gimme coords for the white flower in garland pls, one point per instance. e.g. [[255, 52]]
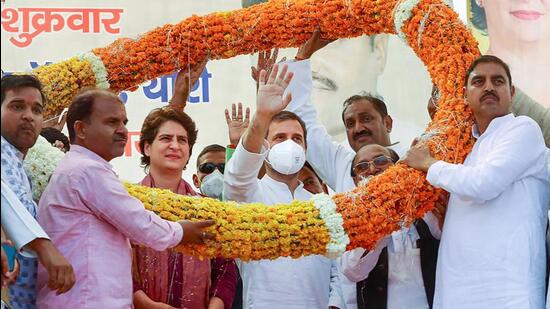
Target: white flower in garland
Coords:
[[40, 163], [402, 13], [334, 223], [98, 68]]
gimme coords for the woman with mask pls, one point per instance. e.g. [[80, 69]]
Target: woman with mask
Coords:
[[171, 278]]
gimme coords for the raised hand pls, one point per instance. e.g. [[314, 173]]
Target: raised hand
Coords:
[[266, 61], [270, 99], [236, 124], [312, 45], [186, 78]]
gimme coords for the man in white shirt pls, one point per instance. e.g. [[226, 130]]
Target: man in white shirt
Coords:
[[307, 282], [367, 122], [400, 271], [492, 252]]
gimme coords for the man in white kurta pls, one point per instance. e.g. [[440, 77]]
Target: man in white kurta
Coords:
[[307, 282], [492, 252]]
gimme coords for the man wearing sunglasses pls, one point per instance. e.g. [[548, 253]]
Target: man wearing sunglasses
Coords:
[[401, 264], [372, 160], [210, 168]]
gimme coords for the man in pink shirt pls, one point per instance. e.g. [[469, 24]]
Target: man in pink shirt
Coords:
[[91, 218]]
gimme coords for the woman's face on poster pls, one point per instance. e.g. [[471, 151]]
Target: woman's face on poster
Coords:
[[524, 20]]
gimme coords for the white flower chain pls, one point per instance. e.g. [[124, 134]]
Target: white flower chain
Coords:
[[98, 68], [402, 13], [335, 225], [40, 163]]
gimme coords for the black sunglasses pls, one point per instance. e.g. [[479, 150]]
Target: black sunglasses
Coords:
[[362, 167], [209, 167]]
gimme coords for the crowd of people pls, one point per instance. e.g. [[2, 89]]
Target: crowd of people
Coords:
[[88, 244]]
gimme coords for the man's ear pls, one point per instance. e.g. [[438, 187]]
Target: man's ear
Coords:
[[325, 188], [388, 122], [380, 52], [80, 129], [196, 181], [466, 95]]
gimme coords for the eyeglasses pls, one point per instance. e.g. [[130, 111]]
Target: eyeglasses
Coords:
[[209, 167], [363, 167]]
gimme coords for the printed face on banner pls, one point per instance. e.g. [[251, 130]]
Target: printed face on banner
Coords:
[[518, 32]]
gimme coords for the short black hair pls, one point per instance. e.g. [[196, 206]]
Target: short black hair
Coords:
[[488, 59], [378, 104], [82, 106], [15, 81], [210, 148], [286, 115], [52, 135]]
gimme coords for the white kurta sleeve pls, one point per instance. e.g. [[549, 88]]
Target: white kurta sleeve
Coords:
[[336, 296], [357, 267], [322, 152], [511, 159], [240, 179], [18, 223]]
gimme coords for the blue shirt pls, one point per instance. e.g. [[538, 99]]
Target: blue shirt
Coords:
[[23, 291]]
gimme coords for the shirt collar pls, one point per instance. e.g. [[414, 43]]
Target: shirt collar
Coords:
[[18, 153], [281, 185], [493, 125], [90, 155]]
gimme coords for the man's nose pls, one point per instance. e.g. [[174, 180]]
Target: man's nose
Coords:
[[358, 127], [489, 86], [27, 114]]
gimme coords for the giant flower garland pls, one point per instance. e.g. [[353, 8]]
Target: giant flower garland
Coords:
[[354, 219]]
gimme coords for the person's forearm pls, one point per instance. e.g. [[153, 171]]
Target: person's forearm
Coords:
[[38, 245], [254, 137], [179, 99]]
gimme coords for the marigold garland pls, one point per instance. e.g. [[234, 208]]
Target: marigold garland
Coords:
[[368, 213], [250, 231]]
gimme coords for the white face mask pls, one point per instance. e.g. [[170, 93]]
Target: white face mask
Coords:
[[287, 157], [212, 185]]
